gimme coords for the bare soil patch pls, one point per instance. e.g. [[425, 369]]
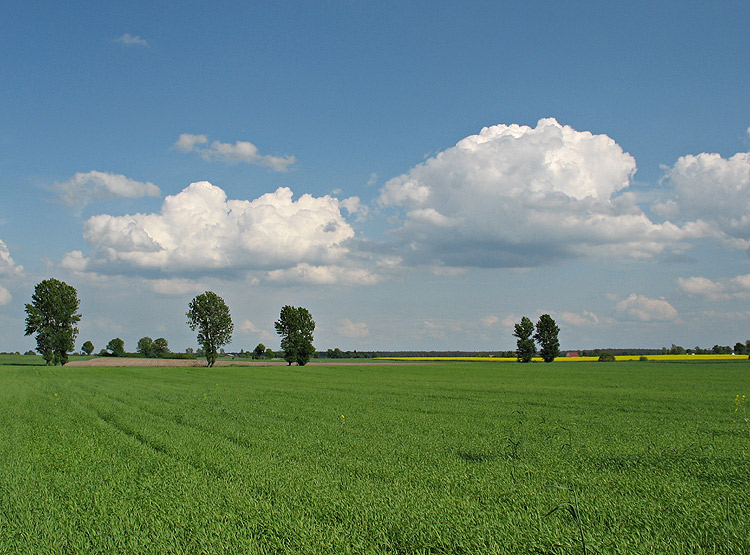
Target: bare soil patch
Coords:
[[125, 361]]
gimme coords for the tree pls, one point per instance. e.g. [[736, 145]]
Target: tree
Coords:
[[525, 345], [296, 326], [87, 348], [145, 347], [116, 346], [52, 316], [161, 347], [209, 314], [269, 353], [259, 351], [546, 336]]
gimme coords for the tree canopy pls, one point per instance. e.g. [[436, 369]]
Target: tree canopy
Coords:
[[259, 351], [52, 315], [161, 347], [87, 348], [209, 314], [116, 346], [546, 336], [525, 347], [145, 347], [150, 348], [296, 326]]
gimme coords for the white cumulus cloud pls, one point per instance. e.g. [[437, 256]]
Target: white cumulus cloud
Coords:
[[702, 287], [5, 296], [199, 230], [724, 289], [352, 329], [517, 196], [646, 309], [82, 188], [240, 151], [579, 319], [323, 275], [75, 261], [8, 269], [7, 265], [489, 321], [248, 327], [175, 286], [187, 142], [710, 189]]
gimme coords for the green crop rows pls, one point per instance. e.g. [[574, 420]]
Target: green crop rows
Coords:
[[630, 458]]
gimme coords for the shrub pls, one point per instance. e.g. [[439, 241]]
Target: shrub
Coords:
[[643, 358], [181, 356], [606, 357]]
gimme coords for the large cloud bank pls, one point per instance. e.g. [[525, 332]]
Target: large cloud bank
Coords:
[[516, 196], [199, 229]]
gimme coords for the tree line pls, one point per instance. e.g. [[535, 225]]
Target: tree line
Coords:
[[52, 316]]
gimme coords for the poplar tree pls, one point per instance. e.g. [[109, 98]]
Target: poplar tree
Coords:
[[525, 347], [546, 336]]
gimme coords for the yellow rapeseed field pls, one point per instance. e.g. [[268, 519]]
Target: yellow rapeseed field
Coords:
[[570, 359]]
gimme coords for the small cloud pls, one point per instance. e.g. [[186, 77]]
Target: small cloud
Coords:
[[646, 309], [323, 275], [353, 330], [131, 40], [510, 320], [83, 188], [373, 179], [7, 265], [175, 286], [354, 206], [186, 142], [582, 319], [432, 216], [721, 290], [702, 287], [241, 151], [441, 270], [248, 327], [5, 296], [489, 321], [75, 261]]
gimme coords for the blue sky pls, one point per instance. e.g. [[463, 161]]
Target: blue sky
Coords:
[[419, 175]]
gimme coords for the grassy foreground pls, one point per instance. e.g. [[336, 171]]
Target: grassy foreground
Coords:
[[638, 457]]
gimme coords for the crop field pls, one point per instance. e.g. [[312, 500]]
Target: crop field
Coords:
[[585, 457], [661, 358]]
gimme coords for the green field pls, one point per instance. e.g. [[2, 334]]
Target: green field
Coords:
[[443, 458]]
